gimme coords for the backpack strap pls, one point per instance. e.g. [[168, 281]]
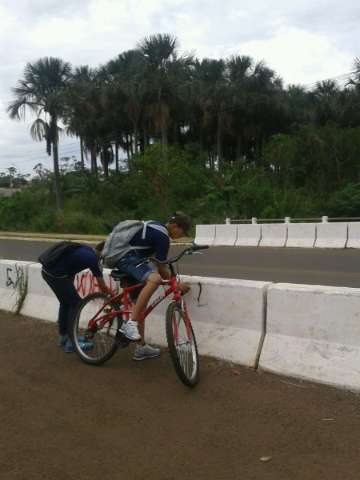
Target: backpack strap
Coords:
[[155, 226]]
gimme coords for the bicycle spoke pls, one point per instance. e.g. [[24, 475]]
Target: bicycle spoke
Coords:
[[183, 345], [98, 342]]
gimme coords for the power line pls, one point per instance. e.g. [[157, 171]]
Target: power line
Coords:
[[337, 78]]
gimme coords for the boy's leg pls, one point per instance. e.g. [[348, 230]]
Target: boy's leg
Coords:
[[143, 274], [68, 297], [152, 283]]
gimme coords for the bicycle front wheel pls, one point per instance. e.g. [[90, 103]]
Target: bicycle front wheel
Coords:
[[182, 345], [96, 343]]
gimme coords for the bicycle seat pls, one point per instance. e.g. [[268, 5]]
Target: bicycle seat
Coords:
[[118, 275]]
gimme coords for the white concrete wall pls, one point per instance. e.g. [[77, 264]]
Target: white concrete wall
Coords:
[[353, 235], [331, 235], [301, 235], [205, 234], [313, 332], [225, 235], [13, 280], [228, 320], [248, 235], [273, 234], [40, 301]]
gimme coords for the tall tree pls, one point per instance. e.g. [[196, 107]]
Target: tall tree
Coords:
[[40, 92], [164, 70]]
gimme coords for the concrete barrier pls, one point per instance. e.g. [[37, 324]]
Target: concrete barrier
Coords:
[[301, 235], [273, 234], [228, 319], [313, 333], [85, 282], [248, 235], [205, 234], [40, 301], [331, 235], [225, 235], [353, 235], [13, 284]]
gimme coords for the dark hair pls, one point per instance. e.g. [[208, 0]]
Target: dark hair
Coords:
[[181, 220], [100, 247]]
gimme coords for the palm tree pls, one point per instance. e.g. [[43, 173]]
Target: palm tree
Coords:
[[240, 69], [128, 85], [326, 97], [211, 93], [163, 67], [40, 92], [80, 112]]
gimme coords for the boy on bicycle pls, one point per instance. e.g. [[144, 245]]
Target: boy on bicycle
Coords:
[[152, 240]]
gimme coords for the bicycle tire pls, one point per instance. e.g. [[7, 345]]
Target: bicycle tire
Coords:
[[105, 341], [183, 352]]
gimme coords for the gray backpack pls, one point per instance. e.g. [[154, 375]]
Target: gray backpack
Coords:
[[117, 244]]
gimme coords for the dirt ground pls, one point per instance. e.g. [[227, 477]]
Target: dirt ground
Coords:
[[61, 419]]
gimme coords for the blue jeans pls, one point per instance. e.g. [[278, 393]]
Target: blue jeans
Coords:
[[64, 289], [128, 265]]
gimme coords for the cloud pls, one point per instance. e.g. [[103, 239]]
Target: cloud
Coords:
[[301, 40], [300, 56]]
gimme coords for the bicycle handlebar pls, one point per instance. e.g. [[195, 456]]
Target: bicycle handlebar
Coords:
[[189, 251]]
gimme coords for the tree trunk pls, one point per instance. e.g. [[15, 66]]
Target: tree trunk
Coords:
[[82, 162], [238, 148], [136, 139], [164, 137], [93, 159], [117, 157], [57, 186], [104, 162], [219, 143]]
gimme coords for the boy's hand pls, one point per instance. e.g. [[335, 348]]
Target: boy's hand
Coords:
[[184, 287]]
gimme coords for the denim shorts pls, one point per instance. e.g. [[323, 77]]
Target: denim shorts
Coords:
[[128, 264]]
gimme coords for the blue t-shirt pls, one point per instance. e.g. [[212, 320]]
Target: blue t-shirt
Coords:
[[156, 241], [77, 260]]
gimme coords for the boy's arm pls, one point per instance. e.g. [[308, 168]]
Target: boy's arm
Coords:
[[165, 274], [103, 287]]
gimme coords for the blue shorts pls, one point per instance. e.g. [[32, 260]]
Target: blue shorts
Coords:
[[128, 265]]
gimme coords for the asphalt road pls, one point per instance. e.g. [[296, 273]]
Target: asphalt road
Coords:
[[309, 266]]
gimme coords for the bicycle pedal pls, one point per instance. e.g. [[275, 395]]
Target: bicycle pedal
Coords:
[[122, 341]]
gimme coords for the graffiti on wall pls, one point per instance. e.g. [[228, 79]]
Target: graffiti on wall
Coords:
[[86, 283], [16, 281], [15, 276]]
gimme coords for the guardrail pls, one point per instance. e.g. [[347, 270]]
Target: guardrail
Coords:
[[323, 219], [304, 331], [287, 232]]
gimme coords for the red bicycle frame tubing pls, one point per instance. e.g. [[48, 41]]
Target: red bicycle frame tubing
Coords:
[[171, 289], [125, 302]]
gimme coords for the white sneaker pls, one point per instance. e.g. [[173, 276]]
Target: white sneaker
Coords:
[[143, 352], [130, 330]]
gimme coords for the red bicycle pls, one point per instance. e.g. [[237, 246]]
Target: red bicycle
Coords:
[[99, 319]]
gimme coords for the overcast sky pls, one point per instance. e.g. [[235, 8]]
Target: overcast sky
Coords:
[[304, 41]]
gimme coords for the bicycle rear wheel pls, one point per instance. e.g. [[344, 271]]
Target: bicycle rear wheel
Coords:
[[182, 345], [98, 343]]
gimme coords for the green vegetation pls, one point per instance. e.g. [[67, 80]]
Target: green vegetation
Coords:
[[164, 131]]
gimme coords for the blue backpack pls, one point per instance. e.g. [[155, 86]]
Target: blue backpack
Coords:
[[52, 254]]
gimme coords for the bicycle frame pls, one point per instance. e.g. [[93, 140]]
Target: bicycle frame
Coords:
[[123, 299]]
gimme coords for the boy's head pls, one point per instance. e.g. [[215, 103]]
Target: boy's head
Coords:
[[178, 225], [99, 248]]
